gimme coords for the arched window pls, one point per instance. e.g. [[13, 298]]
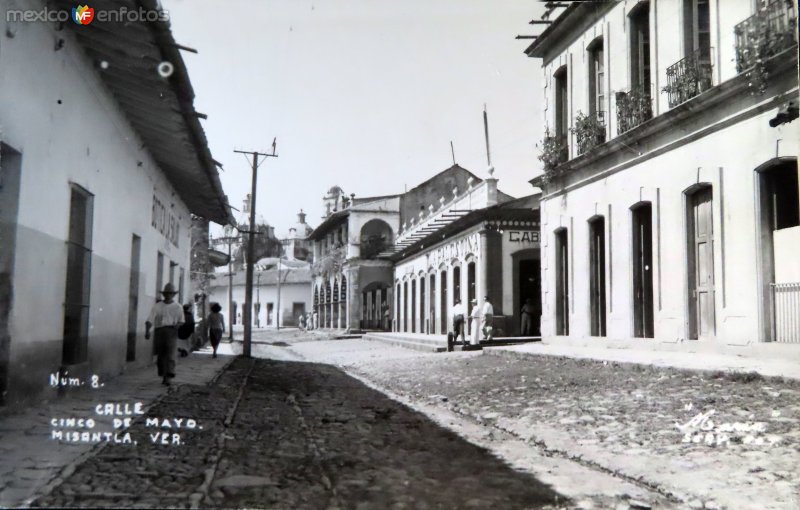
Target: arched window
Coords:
[[375, 237]]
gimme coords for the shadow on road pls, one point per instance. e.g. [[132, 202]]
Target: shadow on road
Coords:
[[298, 435]]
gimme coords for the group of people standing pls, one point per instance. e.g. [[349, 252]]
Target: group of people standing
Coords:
[[307, 322], [170, 322], [480, 315]]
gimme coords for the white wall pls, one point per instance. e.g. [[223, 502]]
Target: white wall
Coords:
[[726, 159], [290, 293], [87, 141]]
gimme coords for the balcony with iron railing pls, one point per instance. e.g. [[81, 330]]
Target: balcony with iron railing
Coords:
[[554, 150], [763, 35], [633, 108], [589, 131], [688, 78]]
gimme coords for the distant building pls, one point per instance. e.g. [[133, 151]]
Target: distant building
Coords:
[[396, 262], [670, 208], [268, 307], [104, 161], [296, 245]]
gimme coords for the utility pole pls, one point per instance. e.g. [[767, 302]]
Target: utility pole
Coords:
[[248, 290], [278, 322]]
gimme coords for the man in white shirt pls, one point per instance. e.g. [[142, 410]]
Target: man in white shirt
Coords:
[[458, 320], [476, 323], [487, 314], [165, 317]]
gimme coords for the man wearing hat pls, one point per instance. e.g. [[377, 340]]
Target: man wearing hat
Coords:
[[165, 317]]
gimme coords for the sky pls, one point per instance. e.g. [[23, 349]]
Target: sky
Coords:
[[364, 94]]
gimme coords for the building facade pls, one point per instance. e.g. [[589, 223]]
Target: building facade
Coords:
[[95, 199], [353, 272], [479, 244], [670, 194], [271, 305]]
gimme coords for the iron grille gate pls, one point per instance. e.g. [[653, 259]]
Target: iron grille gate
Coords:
[[786, 312]]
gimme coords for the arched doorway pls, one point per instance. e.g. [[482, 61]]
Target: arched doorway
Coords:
[[642, 267], [700, 263], [778, 226]]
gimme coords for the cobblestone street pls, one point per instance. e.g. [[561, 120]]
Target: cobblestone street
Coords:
[[296, 435], [700, 440], [320, 423]]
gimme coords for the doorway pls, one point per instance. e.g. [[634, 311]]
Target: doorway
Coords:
[[700, 237], [530, 288], [562, 283], [779, 242], [642, 270], [133, 297], [597, 276]]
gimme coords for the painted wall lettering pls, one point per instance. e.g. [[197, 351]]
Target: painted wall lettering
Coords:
[[525, 236], [165, 222], [457, 249]]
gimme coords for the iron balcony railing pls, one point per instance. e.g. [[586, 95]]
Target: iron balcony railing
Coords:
[[786, 312], [765, 34], [633, 108], [590, 131], [688, 77]]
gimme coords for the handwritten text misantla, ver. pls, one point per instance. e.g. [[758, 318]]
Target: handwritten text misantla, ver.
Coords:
[[121, 415]]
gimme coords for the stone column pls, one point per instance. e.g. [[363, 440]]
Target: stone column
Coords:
[[490, 269]]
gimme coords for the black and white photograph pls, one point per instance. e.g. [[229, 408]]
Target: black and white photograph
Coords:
[[400, 254]]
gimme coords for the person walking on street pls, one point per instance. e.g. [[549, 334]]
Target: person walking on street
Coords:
[[216, 327], [476, 323], [186, 331], [458, 320], [487, 316], [165, 318], [527, 317]]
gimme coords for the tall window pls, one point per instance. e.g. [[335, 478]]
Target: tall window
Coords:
[[79, 262], [159, 274], [422, 322], [405, 306], [597, 91], [562, 105], [597, 276], [640, 48], [397, 308], [697, 29], [456, 283], [562, 282], [182, 274], [413, 306]]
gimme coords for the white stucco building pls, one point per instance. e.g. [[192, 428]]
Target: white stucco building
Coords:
[[670, 197], [102, 162], [290, 301]]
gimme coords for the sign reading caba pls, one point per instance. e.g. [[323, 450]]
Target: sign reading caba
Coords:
[[165, 222]]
